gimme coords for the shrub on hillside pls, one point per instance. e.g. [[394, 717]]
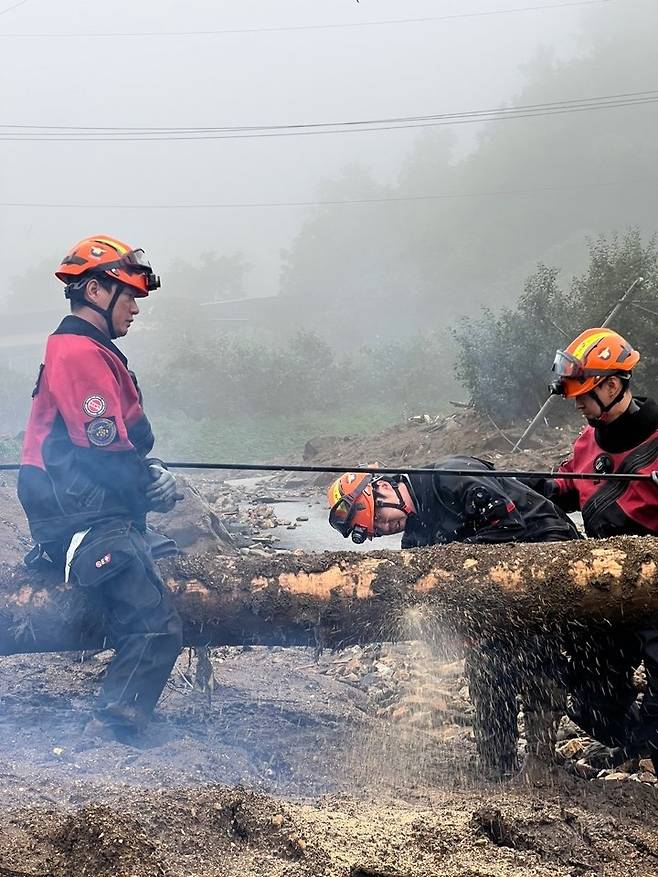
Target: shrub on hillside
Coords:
[[251, 376], [504, 359]]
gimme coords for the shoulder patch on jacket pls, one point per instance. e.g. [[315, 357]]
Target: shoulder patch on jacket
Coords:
[[101, 431], [94, 406]]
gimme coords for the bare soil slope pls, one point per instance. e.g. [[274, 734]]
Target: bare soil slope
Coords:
[[289, 768], [423, 440]]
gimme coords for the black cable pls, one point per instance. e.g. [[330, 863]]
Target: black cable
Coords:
[[305, 27], [396, 470], [313, 132], [650, 94], [120, 135], [337, 203]]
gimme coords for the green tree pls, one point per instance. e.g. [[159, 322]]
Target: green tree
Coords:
[[504, 359]]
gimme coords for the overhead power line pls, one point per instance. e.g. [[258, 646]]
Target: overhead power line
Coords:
[[54, 133], [571, 102], [306, 27], [331, 203], [13, 6]]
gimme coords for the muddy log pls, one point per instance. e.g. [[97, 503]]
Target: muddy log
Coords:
[[334, 599]]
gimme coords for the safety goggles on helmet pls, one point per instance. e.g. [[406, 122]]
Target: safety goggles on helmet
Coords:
[[565, 366], [344, 511], [568, 368], [135, 262]]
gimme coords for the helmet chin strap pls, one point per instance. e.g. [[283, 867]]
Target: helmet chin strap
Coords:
[[106, 312], [75, 288], [400, 505], [604, 409]]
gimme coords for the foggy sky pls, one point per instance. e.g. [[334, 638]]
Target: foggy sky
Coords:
[[254, 78]]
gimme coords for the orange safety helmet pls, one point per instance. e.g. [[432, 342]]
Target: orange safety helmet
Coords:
[[105, 255], [352, 506], [591, 358]]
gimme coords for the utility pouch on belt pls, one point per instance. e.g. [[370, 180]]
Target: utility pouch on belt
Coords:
[[101, 556]]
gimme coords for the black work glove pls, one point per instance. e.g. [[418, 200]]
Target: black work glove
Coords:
[[161, 492], [483, 508]]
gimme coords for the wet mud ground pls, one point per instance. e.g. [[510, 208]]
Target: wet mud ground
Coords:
[[289, 767], [284, 769]]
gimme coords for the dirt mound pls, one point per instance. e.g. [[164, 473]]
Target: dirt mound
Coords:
[[100, 841], [193, 524], [217, 832], [423, 440]]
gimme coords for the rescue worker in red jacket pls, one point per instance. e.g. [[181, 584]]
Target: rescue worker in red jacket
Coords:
[[86, 482], [621, 436], [435, 508]]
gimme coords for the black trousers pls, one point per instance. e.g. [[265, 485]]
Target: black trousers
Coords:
[[603, 695], [114, 568], [504, 673]]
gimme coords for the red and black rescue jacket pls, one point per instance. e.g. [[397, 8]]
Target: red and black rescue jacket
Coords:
[[628, 444], [86, 440]]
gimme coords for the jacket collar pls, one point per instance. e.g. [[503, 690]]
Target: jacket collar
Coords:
[[72, 325], [629, 430]]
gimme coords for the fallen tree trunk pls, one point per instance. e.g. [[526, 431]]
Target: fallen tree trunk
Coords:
[[335, 599]]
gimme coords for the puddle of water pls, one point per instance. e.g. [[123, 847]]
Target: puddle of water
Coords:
[[314, 534], [249, 483]]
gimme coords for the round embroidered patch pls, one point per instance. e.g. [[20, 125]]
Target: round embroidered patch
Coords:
[[94, 406], [101, 432]]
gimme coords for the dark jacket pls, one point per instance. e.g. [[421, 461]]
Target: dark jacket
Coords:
[[628, 444], [480, 509], [87, 438]]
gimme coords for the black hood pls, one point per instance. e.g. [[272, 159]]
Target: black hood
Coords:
[[634, 426]]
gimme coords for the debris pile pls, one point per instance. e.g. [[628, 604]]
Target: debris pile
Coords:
[[194, 524], [246, 512], [423, 439], [406, 684]]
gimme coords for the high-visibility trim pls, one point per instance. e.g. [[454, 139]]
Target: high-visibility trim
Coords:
[[114, 244], [587, 344]]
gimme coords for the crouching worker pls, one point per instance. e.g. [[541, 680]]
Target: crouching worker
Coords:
[[434, 509], [86, 482], [621, 435]]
